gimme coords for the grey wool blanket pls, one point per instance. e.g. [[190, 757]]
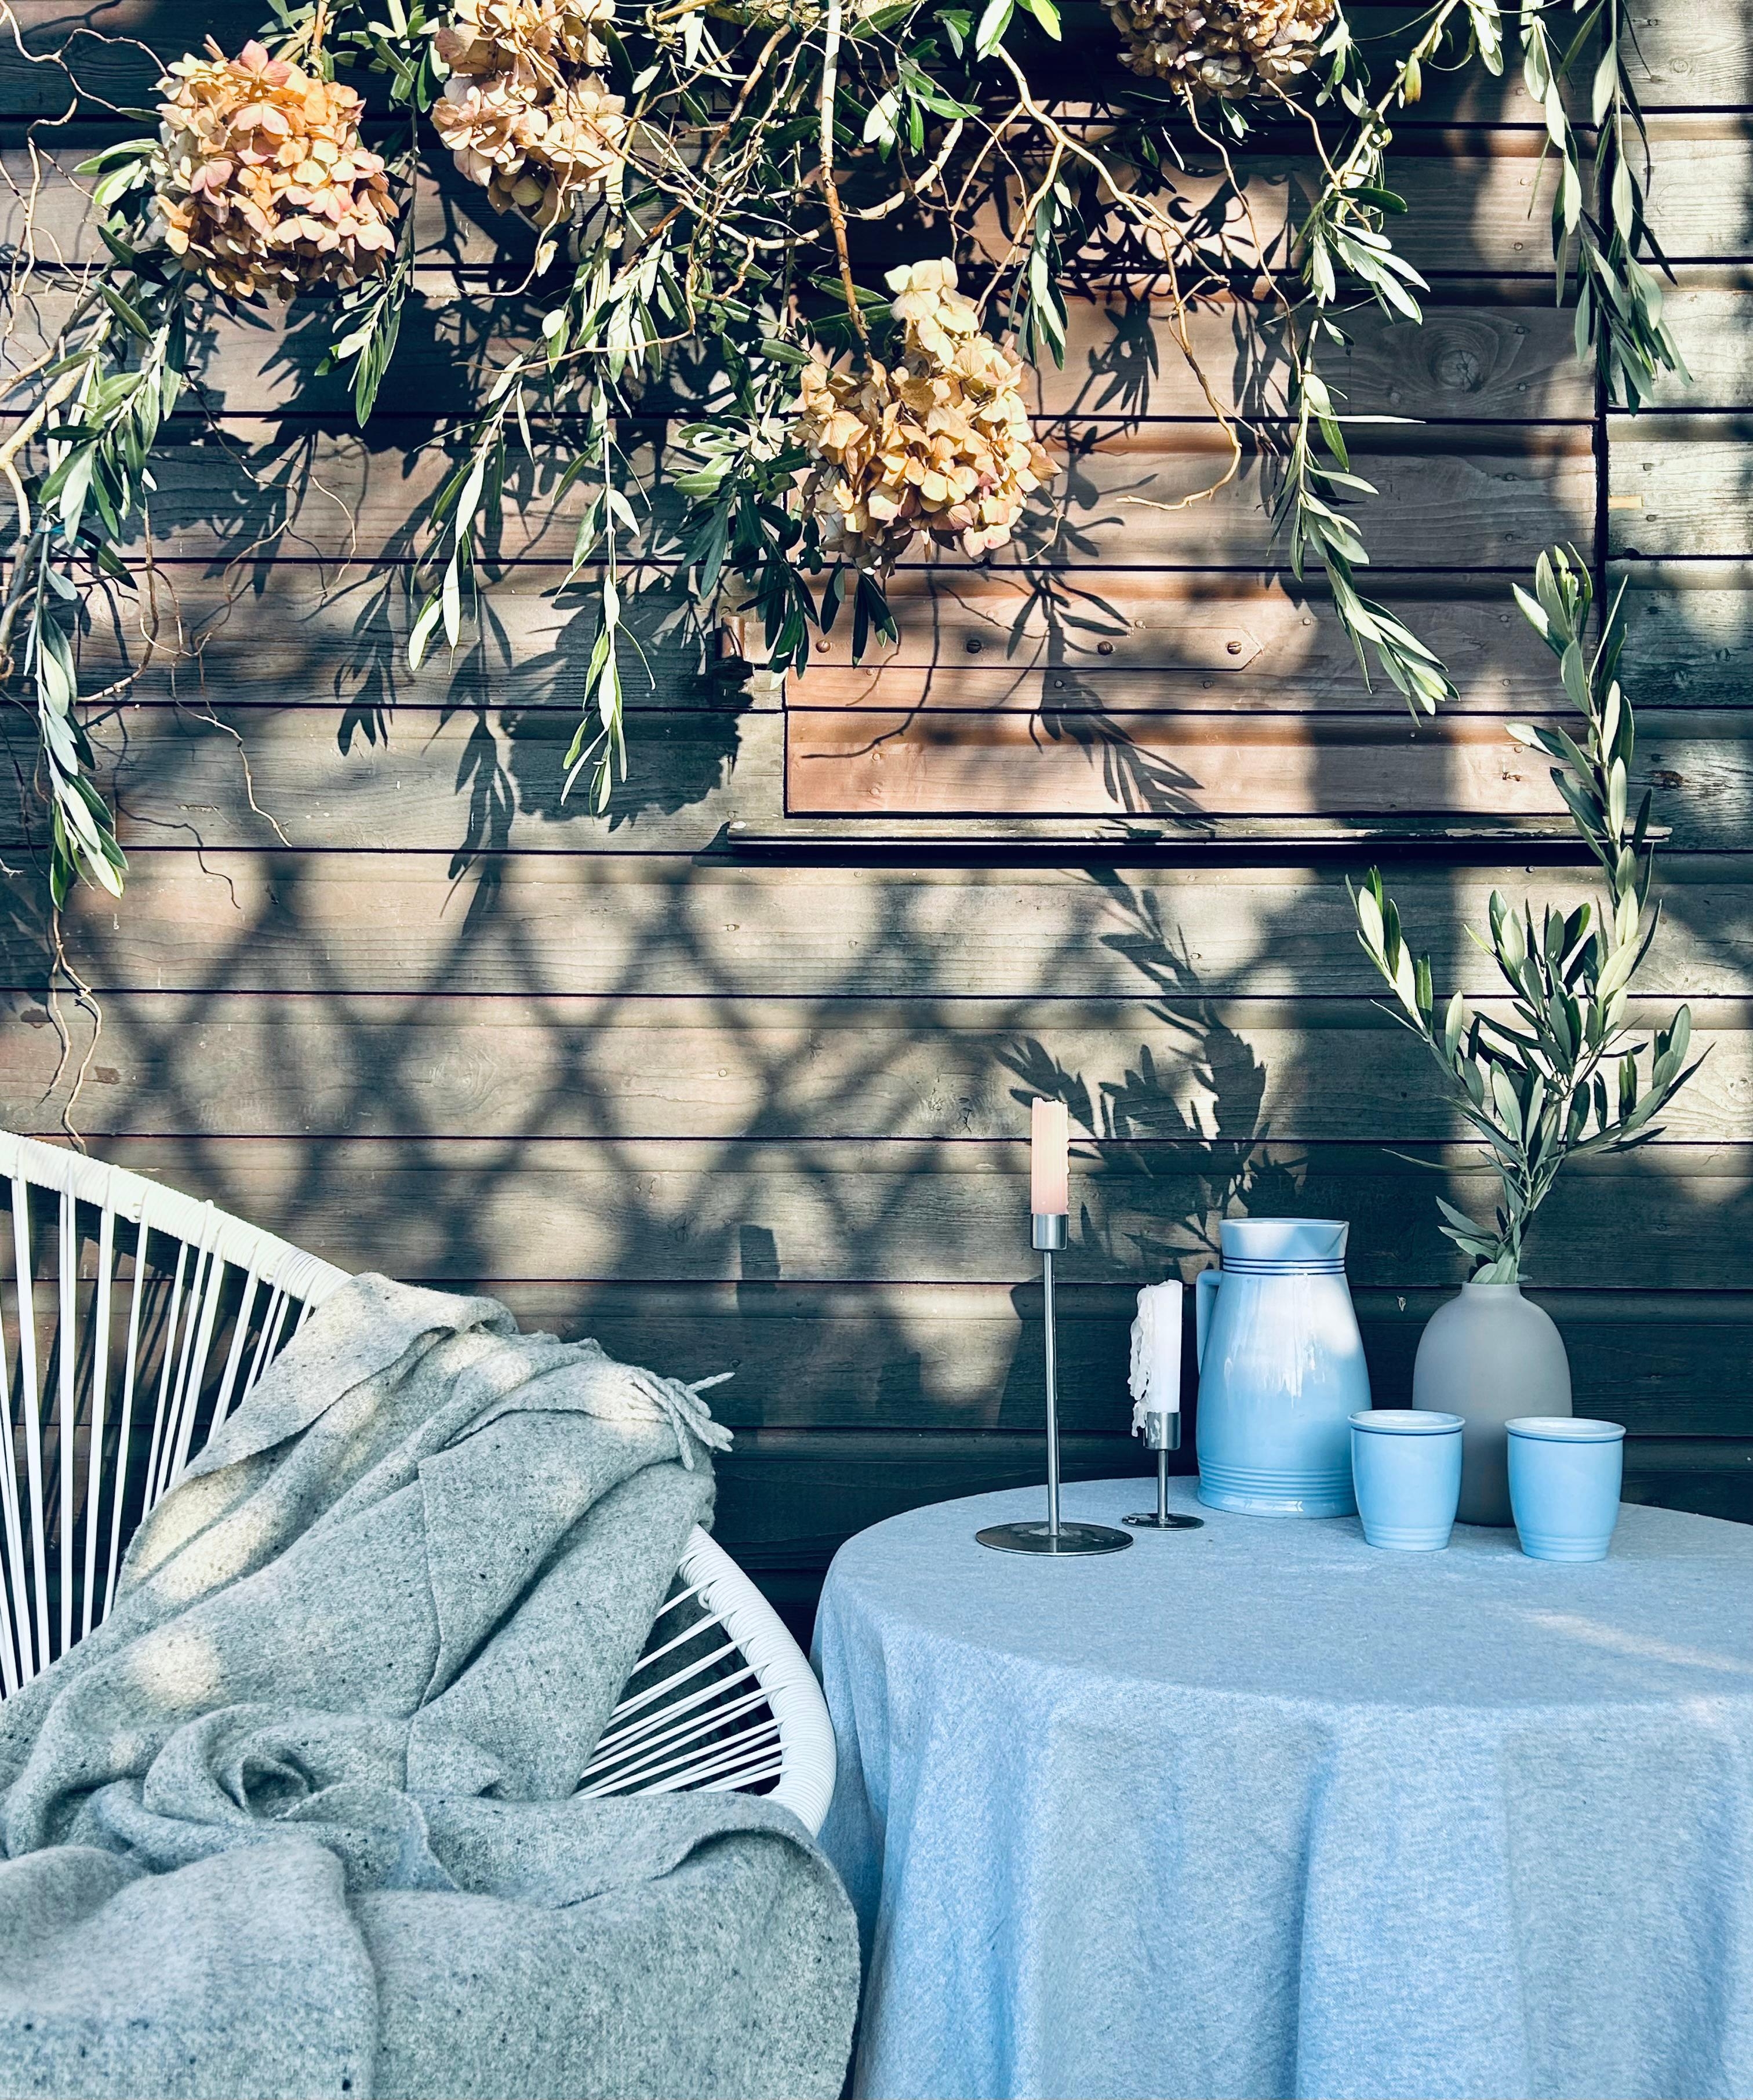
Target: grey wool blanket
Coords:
[[300, 1818]]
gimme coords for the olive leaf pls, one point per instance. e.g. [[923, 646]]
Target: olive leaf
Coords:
[[1533, 1087]]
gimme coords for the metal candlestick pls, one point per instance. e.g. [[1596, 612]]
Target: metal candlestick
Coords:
[[1053, 1537], [1161, 1435]]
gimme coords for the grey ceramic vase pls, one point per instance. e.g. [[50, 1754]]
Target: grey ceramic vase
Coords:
[[1490, 1355]]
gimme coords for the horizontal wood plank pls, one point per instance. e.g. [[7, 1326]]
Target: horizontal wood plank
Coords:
[[1688, 627], [967, 1357], [461, 778], [1126, 642], [1480, 358], [1681, 487], [422, 1070], [685, 1209], [1478, 204], [469, 778], [341, 497], [1077, 761], [289, 633], [535, 925]]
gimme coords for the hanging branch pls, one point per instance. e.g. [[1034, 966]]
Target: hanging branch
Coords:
[[852, 220]]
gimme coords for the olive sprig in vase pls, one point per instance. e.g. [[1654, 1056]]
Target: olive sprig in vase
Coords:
[[1561, 1074]]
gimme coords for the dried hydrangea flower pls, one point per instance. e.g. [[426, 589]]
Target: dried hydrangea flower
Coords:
[[939, 442], [1229, 48], [495, 36], [260, 179], [520, 114]]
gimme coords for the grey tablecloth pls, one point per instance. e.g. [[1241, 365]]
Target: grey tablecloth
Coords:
[[1257, 1810]]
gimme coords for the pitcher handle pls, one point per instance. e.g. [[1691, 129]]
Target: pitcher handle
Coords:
[[1205, 1289]]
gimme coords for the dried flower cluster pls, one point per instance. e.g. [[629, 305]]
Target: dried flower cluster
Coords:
[[260, 178], [939, 442], [522, 112], [1229, 48]]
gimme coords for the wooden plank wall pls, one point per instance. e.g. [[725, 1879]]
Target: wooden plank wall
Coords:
[[761, 1106]]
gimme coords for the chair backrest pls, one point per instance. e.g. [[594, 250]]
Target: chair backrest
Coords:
[[135, 1320]]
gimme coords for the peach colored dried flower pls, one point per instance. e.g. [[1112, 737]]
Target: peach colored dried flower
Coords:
[[519, 115], [1228, 48], [260, 179], [940, 443], [497, 36]]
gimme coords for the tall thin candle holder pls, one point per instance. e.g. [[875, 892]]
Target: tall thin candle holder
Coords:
[[1054, 1536]]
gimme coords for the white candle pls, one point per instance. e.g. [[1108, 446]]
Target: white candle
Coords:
[[1049, 1172], [1156, 1353]]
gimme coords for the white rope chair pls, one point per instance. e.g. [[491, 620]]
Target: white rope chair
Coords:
[[135, 1320]]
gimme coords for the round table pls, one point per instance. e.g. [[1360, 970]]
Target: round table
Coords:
[[1257, 1809]]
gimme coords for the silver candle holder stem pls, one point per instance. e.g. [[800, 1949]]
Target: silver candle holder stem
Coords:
[[1055, 1536], [1161, 1435]]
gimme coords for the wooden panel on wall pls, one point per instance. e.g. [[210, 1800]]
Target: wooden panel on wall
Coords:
[[767, 1113]]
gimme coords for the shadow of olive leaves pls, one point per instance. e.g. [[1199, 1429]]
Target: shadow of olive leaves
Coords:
[[1180, 1137]]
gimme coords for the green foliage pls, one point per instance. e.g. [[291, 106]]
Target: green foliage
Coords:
[[1562, 1074]]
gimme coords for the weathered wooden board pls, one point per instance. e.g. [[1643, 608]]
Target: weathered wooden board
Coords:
[[417, 1069], [1115, 640], [472, 777], [1478, 202], [1220, 640], [1700, 200], [968, 1357], [1707, 308], [1077, 761], [280, 632], [1479, 359], [923, 1211], [459, 778], [1681, 487], [1689, 634], [1489, 500], [539, 924], [1123, 641]]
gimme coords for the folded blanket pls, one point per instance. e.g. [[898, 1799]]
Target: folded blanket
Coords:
[[298, 1818]]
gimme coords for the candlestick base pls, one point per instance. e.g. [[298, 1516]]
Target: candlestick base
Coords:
[[1170, 1520], [1037, 1538]]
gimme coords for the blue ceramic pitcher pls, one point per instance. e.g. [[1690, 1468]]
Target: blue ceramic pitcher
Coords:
[[1281, 1370]]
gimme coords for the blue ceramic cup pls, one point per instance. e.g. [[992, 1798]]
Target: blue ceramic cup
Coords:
[[1406, 1465], [1565, 1475]]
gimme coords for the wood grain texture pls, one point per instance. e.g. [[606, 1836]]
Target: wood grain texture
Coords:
[[685, 1209], [1487, 500], [1478, 201], [967, 1357], [1075, 761], [469, 778], [537, 924], [417, 1069], [1681, 487], [1124, 642], [1483, 355]]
